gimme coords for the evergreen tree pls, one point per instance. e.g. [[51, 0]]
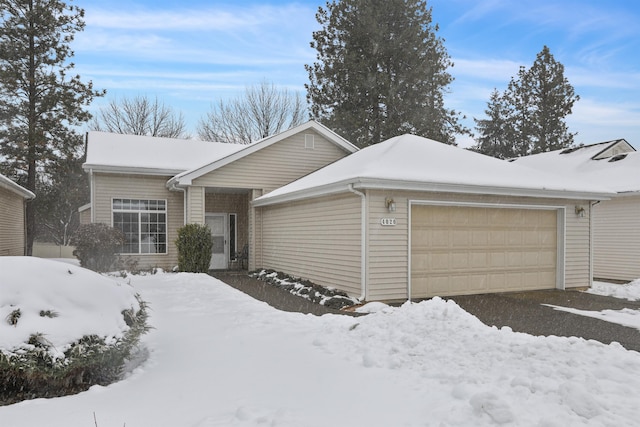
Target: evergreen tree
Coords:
[[39, 102], [552, 99], [496, 132], [381, 71], [61, 192], [531, 111]]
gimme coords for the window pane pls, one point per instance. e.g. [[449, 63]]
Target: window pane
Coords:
[[144, 226]]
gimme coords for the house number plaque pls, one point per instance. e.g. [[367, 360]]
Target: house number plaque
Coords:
[[388, 221]]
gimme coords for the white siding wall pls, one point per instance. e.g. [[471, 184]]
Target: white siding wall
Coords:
[[108, 187], [11, 223], [317, 240], [616, 234]]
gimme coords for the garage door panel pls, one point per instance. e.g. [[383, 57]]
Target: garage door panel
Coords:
[[458, 250]]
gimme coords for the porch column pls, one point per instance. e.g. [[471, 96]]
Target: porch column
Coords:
[[255, 232]]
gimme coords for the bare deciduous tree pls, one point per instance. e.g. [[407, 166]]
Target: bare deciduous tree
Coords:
[[140, 116], [262, 111]]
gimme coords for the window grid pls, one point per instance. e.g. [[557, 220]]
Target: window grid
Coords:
[[144, 224]]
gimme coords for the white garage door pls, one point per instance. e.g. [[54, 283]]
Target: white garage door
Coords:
[[468, 250]]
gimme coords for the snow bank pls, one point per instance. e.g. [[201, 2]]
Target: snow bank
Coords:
[[74, 302], [629, 291], [217, 357]]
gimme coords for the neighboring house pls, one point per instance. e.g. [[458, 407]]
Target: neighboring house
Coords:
[[415, 218], [12, 217], [616, 222], [150, 187]]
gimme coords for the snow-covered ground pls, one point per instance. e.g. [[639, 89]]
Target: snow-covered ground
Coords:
[[219, 358]]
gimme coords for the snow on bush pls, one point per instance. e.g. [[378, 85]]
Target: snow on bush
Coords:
[[63, 328]]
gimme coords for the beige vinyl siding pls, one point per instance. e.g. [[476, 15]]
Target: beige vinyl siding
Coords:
[[195, 202], [11, 223], [616, 235], [577, 246], [276, 165], [317, 240], [85, 216], [387, 248], [110, 186]]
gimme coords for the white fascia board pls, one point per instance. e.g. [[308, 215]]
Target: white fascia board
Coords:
[[308, 193], [131, 170], [15, 188], [376, 184], [628, 193]]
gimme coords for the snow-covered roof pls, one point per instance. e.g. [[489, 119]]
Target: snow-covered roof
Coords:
[[15, 188], [410, 162], [188, 176], [612, 164], [110, 152]]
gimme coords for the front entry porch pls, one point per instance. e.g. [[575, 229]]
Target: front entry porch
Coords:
[[227, 215]]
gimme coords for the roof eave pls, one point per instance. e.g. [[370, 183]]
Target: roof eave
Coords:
[[133, 170], [15, 188], [431, 187]]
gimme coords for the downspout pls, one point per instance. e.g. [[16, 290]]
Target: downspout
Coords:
[[91, 196], [363, 241], [173, 187], [591, 242]]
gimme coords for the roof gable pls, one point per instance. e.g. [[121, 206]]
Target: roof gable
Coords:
[[615, 148], [187, 177], [416, 163]]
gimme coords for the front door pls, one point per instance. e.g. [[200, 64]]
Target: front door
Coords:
[[218, 225]]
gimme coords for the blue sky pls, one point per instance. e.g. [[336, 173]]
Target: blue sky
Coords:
[[191, 54]]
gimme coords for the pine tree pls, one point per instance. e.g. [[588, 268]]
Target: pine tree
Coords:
[[39, 102], [381, 71], [552, 99], [533, 107], [496, 132], [63, 189]]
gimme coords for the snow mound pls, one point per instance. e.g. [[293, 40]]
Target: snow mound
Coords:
[[629, 291], [59, 303]]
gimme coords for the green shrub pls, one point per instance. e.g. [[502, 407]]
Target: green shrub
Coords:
[[33, 372], [97, 246], [194, 248]]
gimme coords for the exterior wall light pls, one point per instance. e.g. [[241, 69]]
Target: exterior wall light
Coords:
[[391, 205], [580, 211]]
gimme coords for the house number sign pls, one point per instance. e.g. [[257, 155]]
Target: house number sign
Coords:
[[388, 221]]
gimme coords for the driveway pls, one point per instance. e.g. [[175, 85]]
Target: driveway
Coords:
[[525, 312], [521, 311]]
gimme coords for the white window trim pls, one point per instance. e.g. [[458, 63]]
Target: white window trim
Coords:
[[166, 216]]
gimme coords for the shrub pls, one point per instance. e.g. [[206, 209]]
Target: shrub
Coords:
[[33, 372], [194, 248], [97, 246]]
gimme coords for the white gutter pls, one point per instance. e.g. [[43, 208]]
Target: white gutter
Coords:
[[363, 241]]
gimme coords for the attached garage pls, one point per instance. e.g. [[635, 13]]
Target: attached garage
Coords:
[[458, 250], [427, 219]]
